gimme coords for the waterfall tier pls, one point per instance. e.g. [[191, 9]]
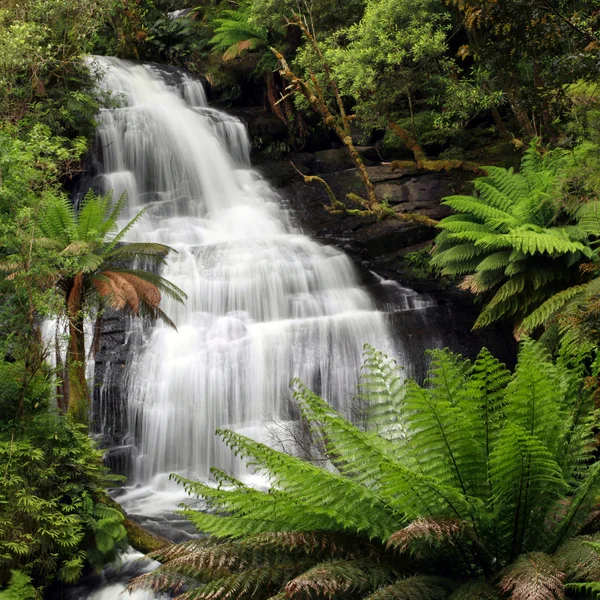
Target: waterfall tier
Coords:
[[265, 302]]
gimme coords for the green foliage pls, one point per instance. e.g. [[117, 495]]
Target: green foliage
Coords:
[[235, 34], [419, 263], [531, 52], [52, 519], [324, 15], [19, 588], [42, 76], [392, 57], [517, 242], [474, 486]]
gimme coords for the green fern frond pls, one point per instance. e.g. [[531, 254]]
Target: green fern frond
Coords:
[[588, 217], [356, 454], [524, 475], [478, 208], [58, 221], [382, 388], [494, 261], [91, 217], [579, 506], [353, 505], [589, 589], [543, 313]]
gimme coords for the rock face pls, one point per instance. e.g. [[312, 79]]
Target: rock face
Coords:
[[109, 415], [388, 247]]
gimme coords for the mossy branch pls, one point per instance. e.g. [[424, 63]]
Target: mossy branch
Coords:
[[380, 211]]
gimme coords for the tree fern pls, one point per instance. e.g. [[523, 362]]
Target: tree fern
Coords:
[[516, 243], [235, 34], [475, 486], [90, 276]]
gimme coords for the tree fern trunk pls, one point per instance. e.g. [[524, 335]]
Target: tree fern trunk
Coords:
[[78, 398]]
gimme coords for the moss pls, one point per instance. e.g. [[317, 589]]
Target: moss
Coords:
[[139, 538]]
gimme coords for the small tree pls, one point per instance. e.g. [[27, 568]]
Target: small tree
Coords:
[[91, 275]]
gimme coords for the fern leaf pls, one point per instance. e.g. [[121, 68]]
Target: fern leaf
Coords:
[[535, 576], [417, 587]]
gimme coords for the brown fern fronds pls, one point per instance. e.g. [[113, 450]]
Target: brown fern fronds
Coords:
[[427, 531], [535, 576], [146, 291], [126, 292]]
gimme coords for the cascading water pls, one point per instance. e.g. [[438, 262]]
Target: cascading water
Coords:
[[265, 302]]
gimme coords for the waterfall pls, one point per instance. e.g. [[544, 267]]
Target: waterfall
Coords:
[[265, 303]]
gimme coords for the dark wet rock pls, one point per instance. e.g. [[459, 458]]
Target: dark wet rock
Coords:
[[381, 247], [120, 459], [264, 128]]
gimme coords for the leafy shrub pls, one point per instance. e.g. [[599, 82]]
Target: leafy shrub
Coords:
[[478, 485], [52, 519]]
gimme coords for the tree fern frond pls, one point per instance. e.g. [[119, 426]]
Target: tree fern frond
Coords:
[[552, 242], [490, 193], [535, 395], [356, 454], [589, 589], [350, 503], [588, 217], [420, 536], [494, 261], [579, 560], [417, 587], [478, 208], [543, 313], [164, 285], [382, 389], [524, 478], [534, 576], [511, 185], [121, 234], [154, 252], [338, 578], [58, 221], [91, 217], [579, 507], [475, 590]]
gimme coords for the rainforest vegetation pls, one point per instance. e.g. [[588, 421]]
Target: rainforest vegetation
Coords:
[[484, 482]]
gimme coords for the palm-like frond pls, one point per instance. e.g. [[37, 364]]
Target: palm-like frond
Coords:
[[482, 476], [235, 34], [516, 243]]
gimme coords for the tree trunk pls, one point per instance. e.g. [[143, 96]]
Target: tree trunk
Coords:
[[78, 397], [78, 394], [409, 141]]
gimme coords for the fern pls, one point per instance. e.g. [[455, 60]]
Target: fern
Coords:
[[517, 244], [483, 477]]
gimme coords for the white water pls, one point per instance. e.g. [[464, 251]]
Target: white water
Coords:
[[265, 302]]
